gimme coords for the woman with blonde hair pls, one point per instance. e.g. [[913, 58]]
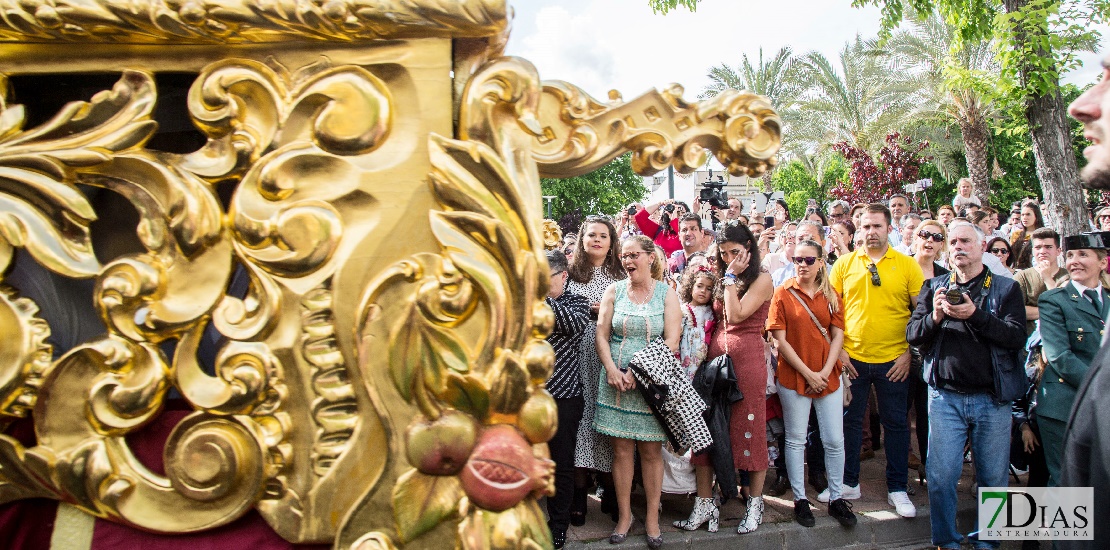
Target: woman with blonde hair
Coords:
[[930, 244], [807, 322], [634, 312]]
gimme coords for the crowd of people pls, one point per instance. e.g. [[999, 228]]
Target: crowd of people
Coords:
[[845, 327], [843, 324]]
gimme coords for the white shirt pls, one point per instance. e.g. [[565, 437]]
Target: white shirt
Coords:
[[996, 266], [1083, 289]]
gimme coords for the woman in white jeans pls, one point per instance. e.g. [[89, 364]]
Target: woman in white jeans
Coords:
[[807, 322]]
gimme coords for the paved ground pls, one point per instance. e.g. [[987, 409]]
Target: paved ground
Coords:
[[879, 526]]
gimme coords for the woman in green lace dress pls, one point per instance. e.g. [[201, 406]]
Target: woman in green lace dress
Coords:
[[634, 312]]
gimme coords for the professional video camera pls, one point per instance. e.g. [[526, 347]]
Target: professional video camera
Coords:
[[713, 192]]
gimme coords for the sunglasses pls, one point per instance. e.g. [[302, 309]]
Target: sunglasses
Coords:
[[936, 237], [808, 260], [875, 280], [999, 251]]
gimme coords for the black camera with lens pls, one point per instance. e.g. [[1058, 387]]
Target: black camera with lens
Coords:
[[632, 210], [713, 193], [954, 296], [669, 208]]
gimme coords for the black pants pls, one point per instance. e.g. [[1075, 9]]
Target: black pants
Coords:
[[918, 401], [562, 452]]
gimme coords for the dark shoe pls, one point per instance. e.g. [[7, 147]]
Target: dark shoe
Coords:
[[841, 510], [654, 542], [578, 508], [617, 538], [779, 487], [818, 481], [558, 538], [802, 513]]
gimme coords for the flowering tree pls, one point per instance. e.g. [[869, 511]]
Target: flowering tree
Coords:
[[899, 163]]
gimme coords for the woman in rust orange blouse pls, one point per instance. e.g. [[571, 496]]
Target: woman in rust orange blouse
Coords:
[[807, 322]]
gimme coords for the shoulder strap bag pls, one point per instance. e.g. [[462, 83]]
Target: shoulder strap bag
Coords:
[[845, 381]]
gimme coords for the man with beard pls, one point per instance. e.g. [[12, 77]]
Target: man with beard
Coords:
[[692, 238], [879, 286], [1086, 458]]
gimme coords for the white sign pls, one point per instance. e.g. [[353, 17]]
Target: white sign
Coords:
[[1042, 513]]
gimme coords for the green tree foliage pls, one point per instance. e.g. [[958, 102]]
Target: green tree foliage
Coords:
[[1037, 42], [603, 191], [662, 7], [809, 177], [855, 98]]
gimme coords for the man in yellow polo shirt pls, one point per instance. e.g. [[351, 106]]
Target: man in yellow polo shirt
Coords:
[[878, 286]]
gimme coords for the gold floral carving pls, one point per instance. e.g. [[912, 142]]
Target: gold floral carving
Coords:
[[357, 325], [247, 21]]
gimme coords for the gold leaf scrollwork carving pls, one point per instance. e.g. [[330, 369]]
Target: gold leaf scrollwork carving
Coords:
[[25, 357], [244, 21], [42, 210], [579, 134]]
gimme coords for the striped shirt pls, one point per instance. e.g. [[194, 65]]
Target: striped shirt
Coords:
[[572, 316]]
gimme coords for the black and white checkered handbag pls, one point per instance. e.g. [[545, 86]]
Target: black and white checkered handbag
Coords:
[[682, 407]]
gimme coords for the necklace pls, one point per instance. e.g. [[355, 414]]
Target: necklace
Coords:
[[641, 300]]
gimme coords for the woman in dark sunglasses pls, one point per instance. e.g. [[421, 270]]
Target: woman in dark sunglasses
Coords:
[[807, 321], [1001, 249], [929, 246]]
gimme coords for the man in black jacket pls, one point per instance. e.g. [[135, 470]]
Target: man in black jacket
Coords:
[[970, 326], [1086, 458], [572, 315]]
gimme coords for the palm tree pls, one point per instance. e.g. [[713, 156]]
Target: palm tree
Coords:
[[857, 99], [954, 80], [776, 79]]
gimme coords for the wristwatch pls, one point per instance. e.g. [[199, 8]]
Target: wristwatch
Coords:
[[730, 279]]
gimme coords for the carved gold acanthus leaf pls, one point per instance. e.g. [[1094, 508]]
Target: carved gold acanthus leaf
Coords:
[[580, 134], [247, 21]]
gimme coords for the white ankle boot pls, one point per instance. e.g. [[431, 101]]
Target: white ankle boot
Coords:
[[704, 510], [753, 516]]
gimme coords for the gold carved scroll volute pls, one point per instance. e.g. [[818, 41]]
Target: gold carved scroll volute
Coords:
[[337, 290]]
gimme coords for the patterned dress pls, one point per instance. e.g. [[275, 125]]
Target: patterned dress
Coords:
[[697, 327], [591, 451], [626, 414]]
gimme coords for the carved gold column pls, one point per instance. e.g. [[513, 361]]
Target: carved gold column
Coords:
[[380, 382]]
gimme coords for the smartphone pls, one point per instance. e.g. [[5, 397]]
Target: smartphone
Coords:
[[811, 203], [768, 221]]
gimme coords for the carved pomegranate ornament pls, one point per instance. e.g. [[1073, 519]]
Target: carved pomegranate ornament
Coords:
[[502, 469]]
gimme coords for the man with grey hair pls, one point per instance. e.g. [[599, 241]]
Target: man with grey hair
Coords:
[[838, 211], [908, 227], [899, 205], [970, 327]]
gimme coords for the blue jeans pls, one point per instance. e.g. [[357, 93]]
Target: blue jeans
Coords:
[[795, 417], [892, 411], [953, 417]]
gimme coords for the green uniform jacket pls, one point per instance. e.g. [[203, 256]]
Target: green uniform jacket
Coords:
[[1071, 331]]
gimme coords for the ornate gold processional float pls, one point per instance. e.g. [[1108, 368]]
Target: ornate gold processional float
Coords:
[[370, 170]]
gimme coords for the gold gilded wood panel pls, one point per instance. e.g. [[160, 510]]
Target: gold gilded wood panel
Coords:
[[358, 325]]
